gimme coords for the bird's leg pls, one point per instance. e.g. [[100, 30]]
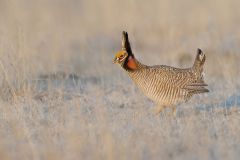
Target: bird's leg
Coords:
[[159, 109], [174, 111]]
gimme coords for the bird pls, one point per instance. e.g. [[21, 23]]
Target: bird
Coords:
[[167, 86]]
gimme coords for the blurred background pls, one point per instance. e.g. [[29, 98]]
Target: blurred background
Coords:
[[55, 39], [82, 36]]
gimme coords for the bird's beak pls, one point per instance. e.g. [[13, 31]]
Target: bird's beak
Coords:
[[114, 61]]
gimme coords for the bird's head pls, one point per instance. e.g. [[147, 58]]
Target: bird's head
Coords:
[[125, 57], [120, 57]]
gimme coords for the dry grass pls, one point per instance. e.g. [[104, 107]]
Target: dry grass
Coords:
[[62, 98]]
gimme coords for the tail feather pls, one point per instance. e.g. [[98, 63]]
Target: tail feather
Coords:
[[198, 84], [197, 90], [198, 69], [199, 60], [203, 90]]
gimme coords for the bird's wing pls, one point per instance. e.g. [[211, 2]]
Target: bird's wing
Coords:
[[179, 78]]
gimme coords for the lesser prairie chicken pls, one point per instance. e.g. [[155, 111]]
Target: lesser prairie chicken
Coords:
[[165, 85]]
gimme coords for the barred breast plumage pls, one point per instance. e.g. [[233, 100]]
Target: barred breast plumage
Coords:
[[165, 85]]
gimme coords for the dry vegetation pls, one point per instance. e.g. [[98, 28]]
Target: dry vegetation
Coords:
[[62, 98]]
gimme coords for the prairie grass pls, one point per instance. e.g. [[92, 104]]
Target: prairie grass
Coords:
[[62, 98]]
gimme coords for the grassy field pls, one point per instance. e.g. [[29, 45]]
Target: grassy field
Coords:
[[62, 98]]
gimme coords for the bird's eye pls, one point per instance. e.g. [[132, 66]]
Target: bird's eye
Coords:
[[121, 56]]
